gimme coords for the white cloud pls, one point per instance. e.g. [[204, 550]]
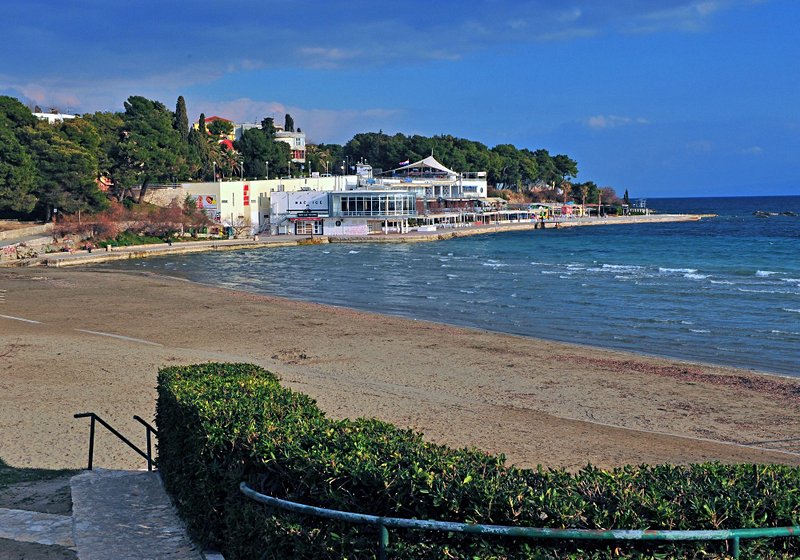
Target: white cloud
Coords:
[[752, 151], [611, 121]]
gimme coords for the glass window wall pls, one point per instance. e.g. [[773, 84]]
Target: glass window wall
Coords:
[[374, 204]]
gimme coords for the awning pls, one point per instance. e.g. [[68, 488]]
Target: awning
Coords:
[[305, 219]]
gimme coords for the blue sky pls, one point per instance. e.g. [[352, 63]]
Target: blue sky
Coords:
[[660, 97]]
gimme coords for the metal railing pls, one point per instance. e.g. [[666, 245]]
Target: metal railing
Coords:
[[148, 456], [732, 536]]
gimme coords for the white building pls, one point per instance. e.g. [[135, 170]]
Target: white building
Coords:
[[430, 180], [354, 212], [53, 118], [247, 203]]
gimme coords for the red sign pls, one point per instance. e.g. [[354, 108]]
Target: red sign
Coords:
[[246, 194]]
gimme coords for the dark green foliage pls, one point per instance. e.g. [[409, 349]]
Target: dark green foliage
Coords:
[[17, 169], [507, 166], [220, 424], [288, 123], [128, 239], [182, 119]]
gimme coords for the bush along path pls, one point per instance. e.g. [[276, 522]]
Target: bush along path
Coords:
[[220, 424]]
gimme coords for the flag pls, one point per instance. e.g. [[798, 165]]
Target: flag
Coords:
[[406, 162]]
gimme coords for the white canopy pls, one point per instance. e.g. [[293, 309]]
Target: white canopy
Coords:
[[429, 161]]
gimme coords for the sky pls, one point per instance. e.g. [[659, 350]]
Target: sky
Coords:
[[659, 97]]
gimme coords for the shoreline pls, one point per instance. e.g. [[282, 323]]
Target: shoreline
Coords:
[[83, 257], [586, 347], [536, 401]]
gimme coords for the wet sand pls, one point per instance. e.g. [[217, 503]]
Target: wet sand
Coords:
[[100, 337]]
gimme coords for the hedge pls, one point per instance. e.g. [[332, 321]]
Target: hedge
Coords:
[[220, 424]]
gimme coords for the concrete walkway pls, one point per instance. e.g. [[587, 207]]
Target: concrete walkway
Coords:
[[35, 527], [124, 515]]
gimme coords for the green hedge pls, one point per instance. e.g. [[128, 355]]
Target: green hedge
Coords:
[[220, 424]]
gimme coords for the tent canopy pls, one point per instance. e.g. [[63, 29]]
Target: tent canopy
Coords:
[[430, 162]]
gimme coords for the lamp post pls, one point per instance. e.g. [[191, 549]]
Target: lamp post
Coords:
[[215, 171], [241, 169], [266, 164]]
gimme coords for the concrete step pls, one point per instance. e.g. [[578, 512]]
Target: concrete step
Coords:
[[126, 515]]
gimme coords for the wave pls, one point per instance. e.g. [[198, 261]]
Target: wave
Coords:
[[766, 273], [790, 310], [700, 331], [664, 270], [494, 264], [353, 252], [622, 267], [763, 291], [694, 276]]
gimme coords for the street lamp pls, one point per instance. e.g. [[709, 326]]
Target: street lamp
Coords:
[[241, 169], [215, 171], [266, 164]]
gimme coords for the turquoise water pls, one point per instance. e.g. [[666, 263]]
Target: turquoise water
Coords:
[[724, 290]]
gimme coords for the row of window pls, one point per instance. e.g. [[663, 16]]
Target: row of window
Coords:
[[377, 205]]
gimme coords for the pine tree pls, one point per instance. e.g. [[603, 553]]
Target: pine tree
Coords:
[[288, 123]]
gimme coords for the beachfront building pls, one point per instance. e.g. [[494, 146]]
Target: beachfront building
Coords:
[[353, 212], [243, 204], [429, 179], [443, 196]]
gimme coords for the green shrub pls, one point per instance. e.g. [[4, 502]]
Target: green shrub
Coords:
[[220, 424], [127, 239]]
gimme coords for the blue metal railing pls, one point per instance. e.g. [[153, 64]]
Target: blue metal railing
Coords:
[[733, 536]]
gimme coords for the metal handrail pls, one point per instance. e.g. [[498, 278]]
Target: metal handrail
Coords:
[[733, 536], [95, 418]]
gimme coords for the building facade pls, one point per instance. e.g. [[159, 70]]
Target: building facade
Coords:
[[354, 212]]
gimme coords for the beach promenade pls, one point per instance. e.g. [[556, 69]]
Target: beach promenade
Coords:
[[84, 257]]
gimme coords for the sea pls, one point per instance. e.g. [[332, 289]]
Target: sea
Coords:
[[722, 290]]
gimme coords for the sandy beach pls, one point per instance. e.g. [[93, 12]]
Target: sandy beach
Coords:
[[76, 340]]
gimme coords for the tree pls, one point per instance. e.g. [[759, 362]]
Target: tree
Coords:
[[625, 198], [67, 172], [182, 119], [151, 147], [219, 128], [17, 170], [288, 125]]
